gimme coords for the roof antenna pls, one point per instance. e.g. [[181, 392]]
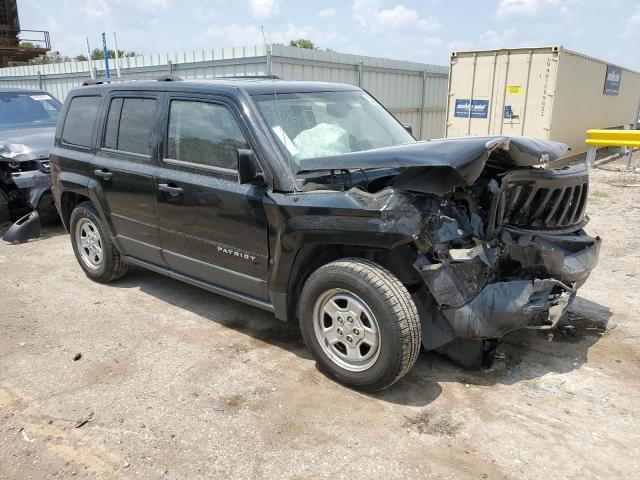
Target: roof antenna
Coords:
[[283, 137]]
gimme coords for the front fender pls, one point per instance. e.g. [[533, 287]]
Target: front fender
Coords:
[[336, 218]]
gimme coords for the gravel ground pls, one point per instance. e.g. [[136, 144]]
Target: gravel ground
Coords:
[[175, 382]]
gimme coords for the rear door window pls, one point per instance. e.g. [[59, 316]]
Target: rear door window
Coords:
[[205, 134], [130, 125], [80, 120]]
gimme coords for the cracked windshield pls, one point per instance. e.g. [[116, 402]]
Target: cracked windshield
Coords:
[[321, 124]]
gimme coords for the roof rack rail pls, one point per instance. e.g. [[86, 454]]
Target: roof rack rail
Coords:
[[168, 78], [92, 81], [266, 77], [101, 81]]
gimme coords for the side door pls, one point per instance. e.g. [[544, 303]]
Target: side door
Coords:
[[124, 166], [211, 227]]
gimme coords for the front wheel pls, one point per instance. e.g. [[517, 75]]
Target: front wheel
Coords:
[[360, 323]]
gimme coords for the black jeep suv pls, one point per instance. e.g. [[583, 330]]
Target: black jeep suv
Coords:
[[311, 201]]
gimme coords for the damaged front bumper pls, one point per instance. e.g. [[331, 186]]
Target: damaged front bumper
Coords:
[[478, 300], [35, 184]]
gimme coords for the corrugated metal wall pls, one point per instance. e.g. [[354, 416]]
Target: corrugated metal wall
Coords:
[[415, 93]]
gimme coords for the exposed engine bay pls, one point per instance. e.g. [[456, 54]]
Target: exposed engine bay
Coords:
[[499, 239]]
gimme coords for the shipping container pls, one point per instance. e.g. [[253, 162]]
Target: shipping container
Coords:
[[546, 92]]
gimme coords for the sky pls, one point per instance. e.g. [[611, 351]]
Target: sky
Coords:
[[416, 30]]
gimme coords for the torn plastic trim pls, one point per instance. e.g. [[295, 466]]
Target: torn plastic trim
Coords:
[[502, 307], [565, 258], [454, 284], [569, 258], [556, 310], [26, 228]]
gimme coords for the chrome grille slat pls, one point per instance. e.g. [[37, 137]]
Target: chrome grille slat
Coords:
[[567, 200], [584, 191], [558, 196], [545, 200], [575, 199], [543, 203]]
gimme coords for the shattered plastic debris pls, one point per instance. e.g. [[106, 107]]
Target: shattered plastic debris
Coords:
[[84, 421]]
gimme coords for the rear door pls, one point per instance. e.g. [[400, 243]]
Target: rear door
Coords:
[[211, 227], [124, 166]]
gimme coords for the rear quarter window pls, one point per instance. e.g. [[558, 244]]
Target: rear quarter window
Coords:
[[80, 120], [130, 124]]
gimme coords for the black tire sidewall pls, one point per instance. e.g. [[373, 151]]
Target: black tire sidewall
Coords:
[[5, 211], [85, 210], [388, 363]]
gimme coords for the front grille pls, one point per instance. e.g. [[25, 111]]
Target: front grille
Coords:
[[545, 199]]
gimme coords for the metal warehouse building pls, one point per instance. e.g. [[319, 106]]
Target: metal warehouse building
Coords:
[[415, 93]]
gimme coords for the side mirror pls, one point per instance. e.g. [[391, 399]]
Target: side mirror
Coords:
[[408, 128], [248, 168]]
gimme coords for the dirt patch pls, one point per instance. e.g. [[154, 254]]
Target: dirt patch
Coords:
[[433, 423], [233, 402]]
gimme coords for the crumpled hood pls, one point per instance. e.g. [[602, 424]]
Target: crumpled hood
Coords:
[[38, 140], [457, 161]]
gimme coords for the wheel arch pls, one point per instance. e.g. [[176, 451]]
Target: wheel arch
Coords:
[[69, 201], [309, 258]]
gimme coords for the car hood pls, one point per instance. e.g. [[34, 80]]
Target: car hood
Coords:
[[38, 141], [449, 162]]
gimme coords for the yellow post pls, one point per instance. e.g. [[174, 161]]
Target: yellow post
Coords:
[[613, 138], [610, 138]]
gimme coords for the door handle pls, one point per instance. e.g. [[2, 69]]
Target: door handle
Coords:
[[170, 189], [104, 174]]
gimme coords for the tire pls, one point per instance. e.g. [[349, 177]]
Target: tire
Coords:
[[98, 257], [372, 299], [5, 211]]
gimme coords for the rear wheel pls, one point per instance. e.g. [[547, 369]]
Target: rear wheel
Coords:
[[92, 246], [360, 323]]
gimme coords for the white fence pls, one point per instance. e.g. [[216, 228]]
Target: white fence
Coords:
[[415, 93]]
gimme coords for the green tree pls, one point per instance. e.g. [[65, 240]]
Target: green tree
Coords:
[[50, 57], [98, 54], [27, 45], [303, 43]]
